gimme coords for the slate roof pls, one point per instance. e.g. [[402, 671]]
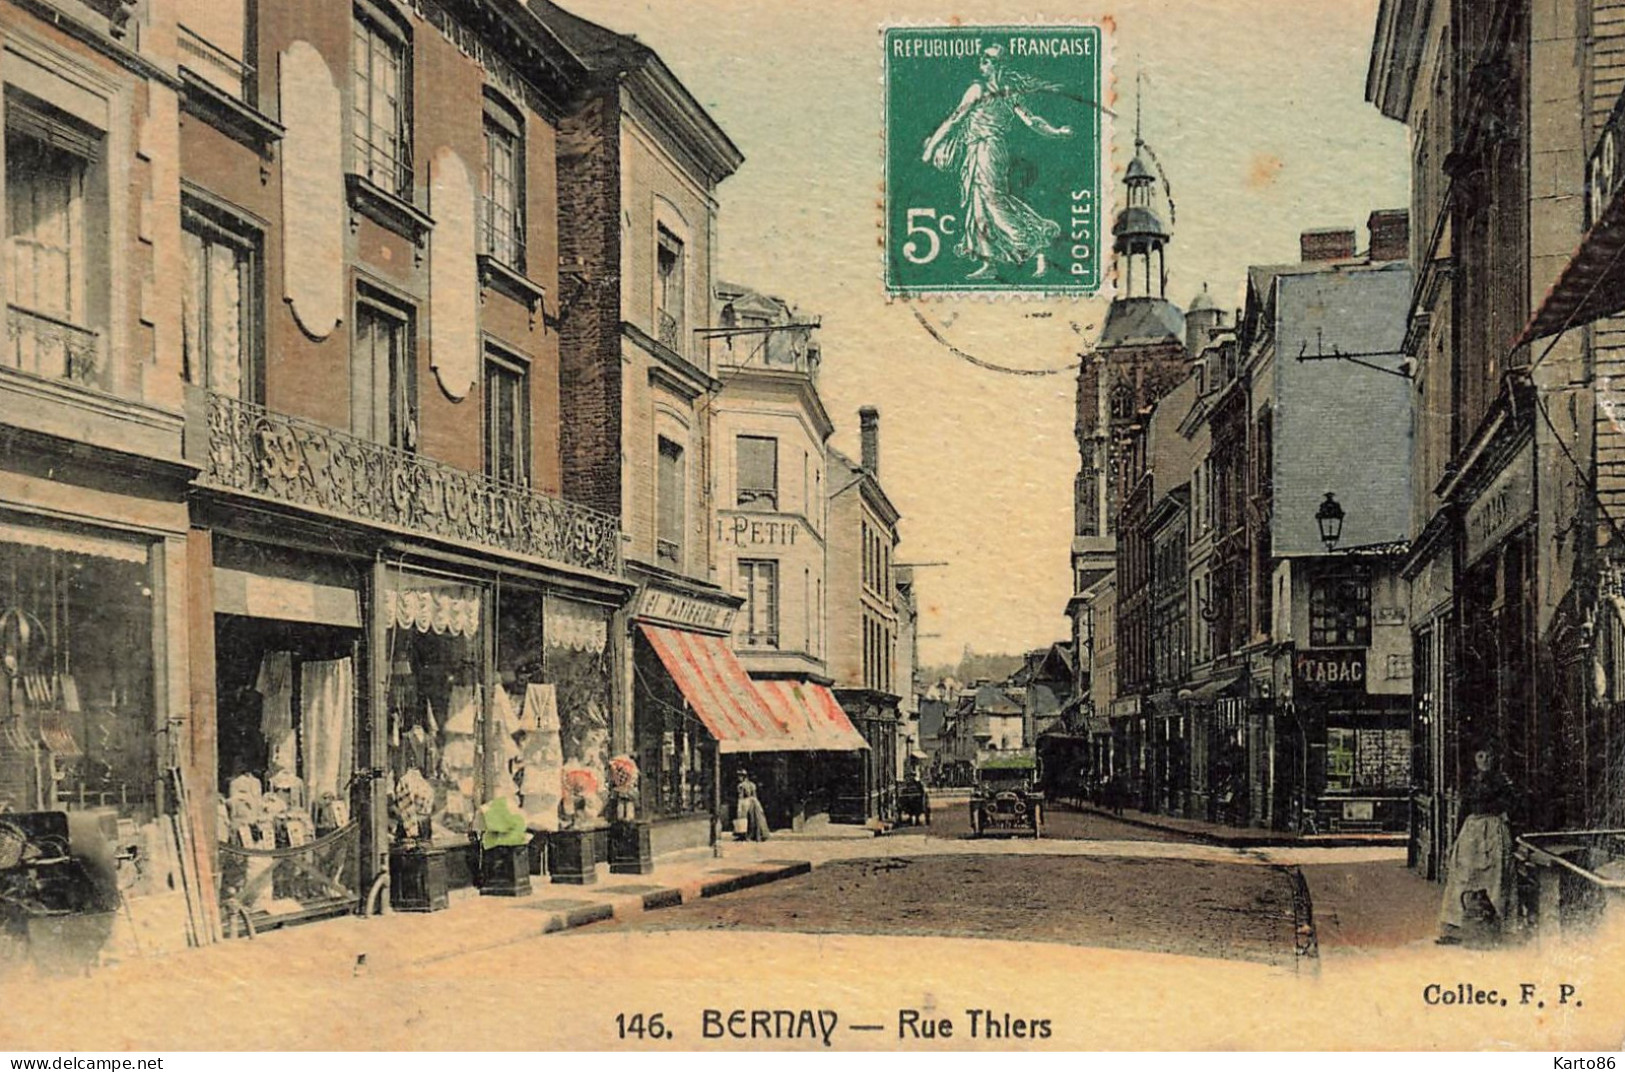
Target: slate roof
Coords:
[[1139, 321]]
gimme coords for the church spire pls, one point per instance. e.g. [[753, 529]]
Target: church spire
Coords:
[[1139, 237]]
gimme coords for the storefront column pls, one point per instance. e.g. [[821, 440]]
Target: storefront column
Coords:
[[199, 741], [375, 833]]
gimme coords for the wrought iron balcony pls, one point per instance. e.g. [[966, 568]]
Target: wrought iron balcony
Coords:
[[254, 451], [225, 70], [47, 346]]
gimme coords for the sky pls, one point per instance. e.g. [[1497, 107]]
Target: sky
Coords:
[[1257, 112]]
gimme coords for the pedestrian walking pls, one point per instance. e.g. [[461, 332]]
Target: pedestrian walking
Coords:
[[1478, 889], [749, 808]]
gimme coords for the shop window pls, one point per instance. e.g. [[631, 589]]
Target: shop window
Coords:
[[760, 580], [436, 701], [1340, 611], [78, 729], [672, 504], [507, 418], [1340, 759], [56, 218], [213, 39], [502, 230], [675, 753], [220, 305], [669, 291], [383, 370], [759, 471], [286, 697], [382, 107]]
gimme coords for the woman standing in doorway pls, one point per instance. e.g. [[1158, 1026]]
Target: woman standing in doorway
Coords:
[[750, 809], [1478, 887]]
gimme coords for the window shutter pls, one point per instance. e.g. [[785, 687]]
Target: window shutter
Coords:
[[37, 120]]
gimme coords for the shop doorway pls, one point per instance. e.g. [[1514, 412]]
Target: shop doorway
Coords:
[[288, 700]]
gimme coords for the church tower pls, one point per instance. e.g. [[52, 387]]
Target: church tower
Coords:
[[1139, 357]]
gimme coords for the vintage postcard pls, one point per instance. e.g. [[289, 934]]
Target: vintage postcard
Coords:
[[811, 525]]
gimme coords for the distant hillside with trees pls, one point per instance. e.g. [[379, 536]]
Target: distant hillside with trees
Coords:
[[973, 666]]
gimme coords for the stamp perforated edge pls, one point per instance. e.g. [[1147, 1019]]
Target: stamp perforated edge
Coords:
[[1106, 164]]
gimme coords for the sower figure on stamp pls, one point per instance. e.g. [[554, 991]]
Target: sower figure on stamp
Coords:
[[999, 227], [1479, 886]]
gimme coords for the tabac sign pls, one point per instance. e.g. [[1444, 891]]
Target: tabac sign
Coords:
[[683, 611], [1507, 503], [1341, 670]]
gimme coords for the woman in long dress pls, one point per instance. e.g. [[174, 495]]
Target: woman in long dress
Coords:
[[997, 226], [1479, 878], [750, 809]]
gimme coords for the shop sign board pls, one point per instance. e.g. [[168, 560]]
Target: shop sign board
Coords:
[[1507, 503], [742, 531], [1340, 669], [684, 611]]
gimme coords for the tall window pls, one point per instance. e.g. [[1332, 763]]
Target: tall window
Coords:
[[507, 419], [759, 471], [383, 395], [672, 506], [1340, 611], [220, 310], [760, 578], [382, 102], [52, 209], [502, 230], [669, 265]]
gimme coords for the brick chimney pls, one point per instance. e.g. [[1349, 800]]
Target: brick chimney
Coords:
[[869, 430], [1390, 234], [1327, 244]]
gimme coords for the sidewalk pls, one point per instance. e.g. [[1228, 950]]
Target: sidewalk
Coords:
[[1243, 837], [399, 940]]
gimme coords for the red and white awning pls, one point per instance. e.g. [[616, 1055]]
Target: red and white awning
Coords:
[[720, 692], [826, 724]]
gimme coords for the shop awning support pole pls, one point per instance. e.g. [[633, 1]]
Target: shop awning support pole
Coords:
[[716, 798]]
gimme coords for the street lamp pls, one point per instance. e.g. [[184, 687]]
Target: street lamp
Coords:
[[1330, 519]]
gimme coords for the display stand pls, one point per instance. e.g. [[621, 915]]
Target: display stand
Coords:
[[417, 879], [505, 871], [571, 857], [629, 848]]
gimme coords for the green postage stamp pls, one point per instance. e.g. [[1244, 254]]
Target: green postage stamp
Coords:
[[995, 149]]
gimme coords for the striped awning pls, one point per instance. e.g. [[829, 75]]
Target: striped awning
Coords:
[[722, 694], [826, 724]]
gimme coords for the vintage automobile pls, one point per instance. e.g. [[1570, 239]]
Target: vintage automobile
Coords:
[[1005, 799]]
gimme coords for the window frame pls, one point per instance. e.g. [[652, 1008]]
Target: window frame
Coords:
[[501, 362], [503, 121], [763, 624], [1340, 609], [217, 225], [401, 409], [82, 329], [377, 20], [670, 544], [668, 284], [751, 497]]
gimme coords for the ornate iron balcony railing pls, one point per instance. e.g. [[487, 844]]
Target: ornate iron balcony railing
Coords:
[[257, 452]]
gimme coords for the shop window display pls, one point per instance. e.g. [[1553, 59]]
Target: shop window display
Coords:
[[77, 723], [674, 752], [287, 702], [437, 724], [575, 661]]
